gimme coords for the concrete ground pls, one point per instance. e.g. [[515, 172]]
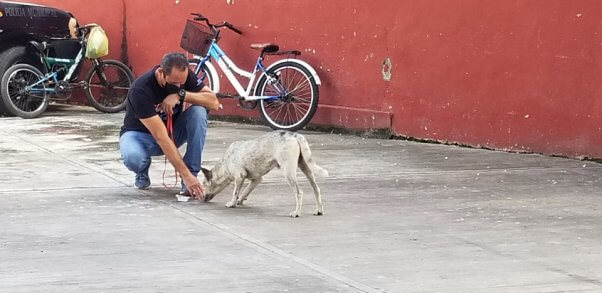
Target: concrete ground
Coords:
[[399, 217]]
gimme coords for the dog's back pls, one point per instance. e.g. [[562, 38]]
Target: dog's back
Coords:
[[260, 155]]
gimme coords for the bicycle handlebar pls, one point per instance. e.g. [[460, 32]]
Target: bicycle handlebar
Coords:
[[234, 29], [228, 25], [200, 17]]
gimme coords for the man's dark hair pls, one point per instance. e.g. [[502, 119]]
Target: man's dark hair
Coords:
[[171, 60]]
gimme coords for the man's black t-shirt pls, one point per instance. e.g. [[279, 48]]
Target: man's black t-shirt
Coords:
[[146, 94]]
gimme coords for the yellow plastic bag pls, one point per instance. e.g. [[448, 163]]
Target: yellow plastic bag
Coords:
[[98, 44]]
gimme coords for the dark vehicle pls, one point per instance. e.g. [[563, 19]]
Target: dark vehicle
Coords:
[[23, 22]]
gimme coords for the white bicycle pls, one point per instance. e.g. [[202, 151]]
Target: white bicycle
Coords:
[[286, 91]]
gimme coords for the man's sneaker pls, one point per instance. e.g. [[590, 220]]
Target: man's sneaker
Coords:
[[142, 181]]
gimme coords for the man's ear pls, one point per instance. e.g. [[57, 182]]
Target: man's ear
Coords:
[[160, 75], [208, 174]]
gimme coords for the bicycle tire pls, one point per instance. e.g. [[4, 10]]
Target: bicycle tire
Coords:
[[12, 56], [111, 103], [306, 80], [25, 106]]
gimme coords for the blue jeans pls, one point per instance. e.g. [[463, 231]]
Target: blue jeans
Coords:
[[137, 147]]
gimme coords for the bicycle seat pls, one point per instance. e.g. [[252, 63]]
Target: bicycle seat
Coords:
[[39, 46], [266, 47]]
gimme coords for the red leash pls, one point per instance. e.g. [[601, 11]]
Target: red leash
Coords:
[[171, 136]]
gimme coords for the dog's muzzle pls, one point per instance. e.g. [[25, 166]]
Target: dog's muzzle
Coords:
[[209, 196]]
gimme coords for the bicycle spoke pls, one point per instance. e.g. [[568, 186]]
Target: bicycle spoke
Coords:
[[299, 111], [290, 110], [279, 110], [20, 103], [288, 115], [277, 113], [302, 106], [288, 80], [29, 79], [302, 102], [292, 80], [295, 111], [285, 119], [301, 86]]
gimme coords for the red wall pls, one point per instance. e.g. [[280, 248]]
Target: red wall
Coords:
[[513, 74]]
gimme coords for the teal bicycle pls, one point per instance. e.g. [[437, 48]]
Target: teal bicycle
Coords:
[[26, 91], [286, 91]]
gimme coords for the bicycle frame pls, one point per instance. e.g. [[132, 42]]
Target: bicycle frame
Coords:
[[227, 66], [49, 61]]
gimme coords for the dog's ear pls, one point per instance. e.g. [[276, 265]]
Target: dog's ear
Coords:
[[207, 173]]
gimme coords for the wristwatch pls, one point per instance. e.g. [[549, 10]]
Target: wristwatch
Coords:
[[182, 95]]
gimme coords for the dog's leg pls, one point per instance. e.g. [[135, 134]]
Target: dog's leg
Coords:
[[248, 189], [238, 182], [312, 181], [290, 172]]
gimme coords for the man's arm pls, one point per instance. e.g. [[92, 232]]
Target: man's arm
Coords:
[[73, 27], [159, 132], [205, 98]]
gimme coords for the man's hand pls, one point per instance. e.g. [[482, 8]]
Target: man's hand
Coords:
[[169, 103], [195, 188]]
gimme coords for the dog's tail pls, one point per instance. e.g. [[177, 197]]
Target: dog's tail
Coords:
[[306, 154]]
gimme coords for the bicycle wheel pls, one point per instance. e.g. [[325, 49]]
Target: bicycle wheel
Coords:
[[19, 95], [296, 96], [12, 56], [108, 86], [204, 74]]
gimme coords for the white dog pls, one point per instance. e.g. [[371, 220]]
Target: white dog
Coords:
[[252, 159]]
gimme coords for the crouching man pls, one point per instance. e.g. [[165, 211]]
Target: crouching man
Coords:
[[167, 89]]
